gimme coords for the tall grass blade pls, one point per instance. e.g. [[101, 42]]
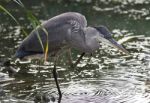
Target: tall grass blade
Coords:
[[35, 24], [46, 52], [6, 11]]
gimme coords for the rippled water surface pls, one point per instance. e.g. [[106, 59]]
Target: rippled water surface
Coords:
[[107, 76]]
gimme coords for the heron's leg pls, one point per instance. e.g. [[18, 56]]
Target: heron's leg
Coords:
[[69, 57], [79, 59], [56, 81]]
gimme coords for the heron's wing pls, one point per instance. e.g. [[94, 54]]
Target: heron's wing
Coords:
[[58, 28], [77, 28], [65, 18]]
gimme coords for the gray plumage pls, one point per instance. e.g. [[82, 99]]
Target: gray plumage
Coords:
[[65, 30]]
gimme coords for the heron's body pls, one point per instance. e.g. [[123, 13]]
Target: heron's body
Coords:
[[67, 30]]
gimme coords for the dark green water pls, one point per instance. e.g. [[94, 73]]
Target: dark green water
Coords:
[[107, 77]]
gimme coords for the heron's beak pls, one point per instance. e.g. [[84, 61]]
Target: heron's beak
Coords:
[[118, 46], [113, 43]]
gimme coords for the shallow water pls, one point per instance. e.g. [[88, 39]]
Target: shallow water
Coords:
[[107, 77]]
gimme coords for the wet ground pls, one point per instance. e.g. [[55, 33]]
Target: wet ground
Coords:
[[107, 77]]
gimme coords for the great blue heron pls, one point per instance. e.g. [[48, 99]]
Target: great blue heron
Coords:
[[67, 30]]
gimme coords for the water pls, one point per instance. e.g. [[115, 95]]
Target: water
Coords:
[[107, 77]]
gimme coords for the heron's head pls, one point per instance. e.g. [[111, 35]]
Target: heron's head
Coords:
[[105, 37]]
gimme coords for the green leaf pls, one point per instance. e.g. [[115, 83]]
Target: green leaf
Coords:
[[6, 11]]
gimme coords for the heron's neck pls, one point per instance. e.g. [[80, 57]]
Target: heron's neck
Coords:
[[91, 43]]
